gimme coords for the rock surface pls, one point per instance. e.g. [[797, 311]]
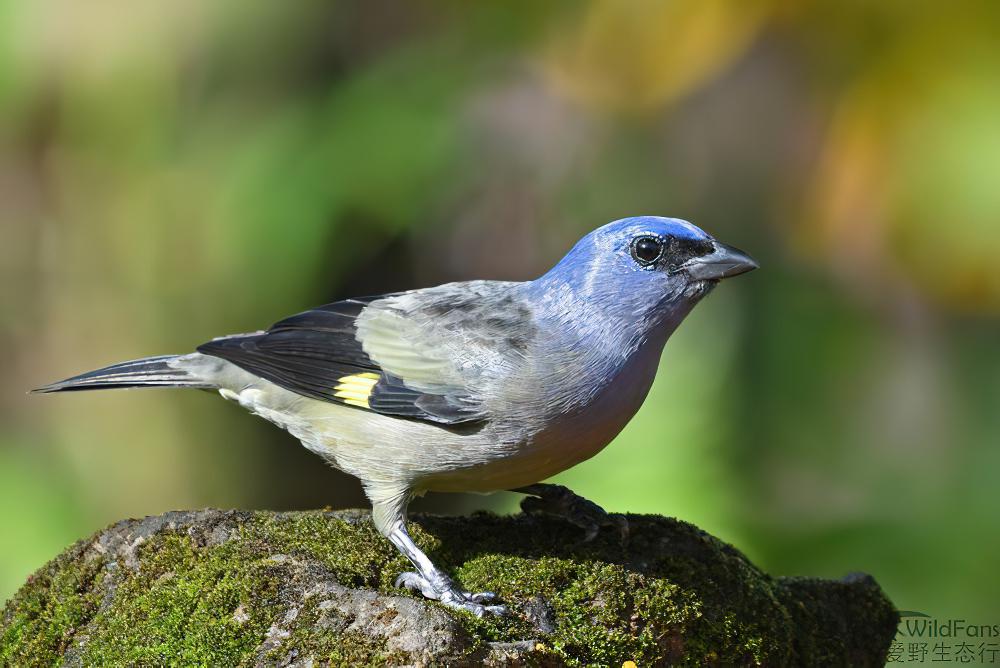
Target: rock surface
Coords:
[[315, 588]]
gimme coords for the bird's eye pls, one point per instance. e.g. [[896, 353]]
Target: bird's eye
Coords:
[[647, 250]]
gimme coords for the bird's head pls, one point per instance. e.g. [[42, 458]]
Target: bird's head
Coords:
[[646, 269]]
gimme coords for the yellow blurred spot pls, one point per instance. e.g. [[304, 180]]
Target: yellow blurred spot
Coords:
[[539, 647], [635, 56], [629, 664], [904, 200], [355, 389]]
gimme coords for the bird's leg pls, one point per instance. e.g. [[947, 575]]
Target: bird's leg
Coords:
[[544, 498], [428, 579], [435, 584]]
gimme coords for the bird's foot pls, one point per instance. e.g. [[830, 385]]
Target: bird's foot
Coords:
[[562, 502], [442, 588]]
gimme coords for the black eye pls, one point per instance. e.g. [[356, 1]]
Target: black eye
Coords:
[[647, 250]]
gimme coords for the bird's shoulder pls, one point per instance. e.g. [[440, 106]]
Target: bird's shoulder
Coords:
[[475, 316]]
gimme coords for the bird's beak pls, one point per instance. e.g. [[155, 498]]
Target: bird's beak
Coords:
[[724, 262]]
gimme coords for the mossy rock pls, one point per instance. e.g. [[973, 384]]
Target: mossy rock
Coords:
[[226, 588]]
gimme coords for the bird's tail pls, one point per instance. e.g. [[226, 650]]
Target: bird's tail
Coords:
[[163, 371]]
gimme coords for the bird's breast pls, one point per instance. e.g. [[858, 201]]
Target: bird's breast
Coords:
[[609, 404], [572, 430]]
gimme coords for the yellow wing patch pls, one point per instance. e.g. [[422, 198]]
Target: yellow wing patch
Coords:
[[356, 389]]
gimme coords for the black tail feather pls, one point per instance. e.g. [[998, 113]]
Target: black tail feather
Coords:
[[146, 372]]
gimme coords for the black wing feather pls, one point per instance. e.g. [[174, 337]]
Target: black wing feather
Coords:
[[391, 396], [335, 317], [310, 352]]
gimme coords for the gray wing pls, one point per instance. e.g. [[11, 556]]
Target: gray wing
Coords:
[[427, 354], [448, 343]]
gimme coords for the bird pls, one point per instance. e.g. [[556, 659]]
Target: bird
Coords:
[[474, 386]]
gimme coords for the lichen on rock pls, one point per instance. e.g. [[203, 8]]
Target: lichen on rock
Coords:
[[315, 588]]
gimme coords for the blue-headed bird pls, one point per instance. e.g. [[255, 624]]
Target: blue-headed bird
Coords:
[[475, 386]]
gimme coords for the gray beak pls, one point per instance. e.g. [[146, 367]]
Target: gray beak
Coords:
[[724, 262]]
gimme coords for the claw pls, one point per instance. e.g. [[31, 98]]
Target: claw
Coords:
[[562, 502], [480, 610], [415, 583], [450, 596], [480, 597]]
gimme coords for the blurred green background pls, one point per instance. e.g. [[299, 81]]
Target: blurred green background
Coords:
[[173, 171]]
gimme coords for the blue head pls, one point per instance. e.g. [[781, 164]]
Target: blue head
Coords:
[[643, 272]]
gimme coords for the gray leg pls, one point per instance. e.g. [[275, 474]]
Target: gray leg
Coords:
[[435, 584], [388, 514], [544, 498]]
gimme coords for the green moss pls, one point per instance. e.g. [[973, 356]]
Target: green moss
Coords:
[[193, 605], [198, 605], [40, 622], [187, 606], [698, 601], [607, 614], [822, 610], [354, 552], [208, 593]]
